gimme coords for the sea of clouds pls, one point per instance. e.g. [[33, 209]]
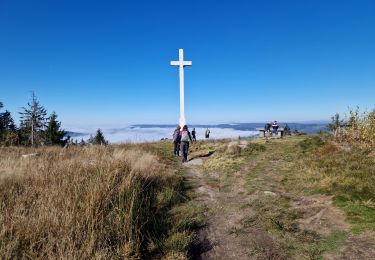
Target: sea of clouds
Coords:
[[140, 134]]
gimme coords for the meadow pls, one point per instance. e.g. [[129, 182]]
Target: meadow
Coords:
[[300, 197], [119, 201]]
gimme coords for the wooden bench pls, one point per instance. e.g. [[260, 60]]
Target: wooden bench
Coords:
[[280, 132]]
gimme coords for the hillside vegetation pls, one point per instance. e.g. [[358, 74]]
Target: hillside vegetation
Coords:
[[93, 202], [300, 197]]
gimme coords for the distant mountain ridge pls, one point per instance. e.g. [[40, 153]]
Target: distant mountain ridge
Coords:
[[310, 128]]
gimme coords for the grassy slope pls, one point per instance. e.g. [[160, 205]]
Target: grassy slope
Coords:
[[298, 167], [347, 173], [132, 201], [125, 201]]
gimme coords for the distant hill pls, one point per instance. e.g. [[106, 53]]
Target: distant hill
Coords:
[[310, 128]]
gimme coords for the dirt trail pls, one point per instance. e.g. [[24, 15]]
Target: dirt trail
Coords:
[[225, 235]]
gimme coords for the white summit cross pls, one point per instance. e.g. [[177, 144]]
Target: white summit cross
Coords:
[[181, 63]]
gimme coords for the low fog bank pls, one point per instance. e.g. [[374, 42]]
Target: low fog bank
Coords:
[[151, 134]]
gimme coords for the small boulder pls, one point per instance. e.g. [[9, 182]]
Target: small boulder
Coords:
[[270, 193], [30, 155]]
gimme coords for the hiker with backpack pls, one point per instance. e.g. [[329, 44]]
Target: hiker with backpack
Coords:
[[176, 140], [185, 141]]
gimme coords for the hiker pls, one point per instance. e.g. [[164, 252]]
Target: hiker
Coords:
[[193, 135], [185, 141], [177, 140], [207, 134], [275, 126]]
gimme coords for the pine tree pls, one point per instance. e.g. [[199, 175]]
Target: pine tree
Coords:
[[7, 128], [335, 122], [54, 135], [99, 138], [33, 120], [6, 121], [82, 142], [90, 140]]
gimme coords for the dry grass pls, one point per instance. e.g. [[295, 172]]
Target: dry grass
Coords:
[[228, 155], [345, 171], [336, 169], [84, 202]]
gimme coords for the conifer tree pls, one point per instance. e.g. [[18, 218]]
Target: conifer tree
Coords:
[[335, 122], [99, 138], [7, 128], [90, 140], [53, 134], [6, 121], [33, 120], [82, 142]]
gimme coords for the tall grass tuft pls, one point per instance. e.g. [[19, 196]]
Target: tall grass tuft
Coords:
[[83, 202]]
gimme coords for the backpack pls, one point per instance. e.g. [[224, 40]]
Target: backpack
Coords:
[[185, 136], [176, 136]]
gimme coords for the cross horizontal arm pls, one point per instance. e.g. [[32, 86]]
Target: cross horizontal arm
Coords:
[[181, 63]]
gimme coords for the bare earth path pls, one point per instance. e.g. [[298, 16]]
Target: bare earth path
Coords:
[[245, 203], [224, 231]]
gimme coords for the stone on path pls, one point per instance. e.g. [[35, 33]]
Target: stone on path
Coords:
[[269, 193], [194, 162]]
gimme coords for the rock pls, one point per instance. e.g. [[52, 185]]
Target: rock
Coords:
[[30, 155], [269, 193], [195, 162]]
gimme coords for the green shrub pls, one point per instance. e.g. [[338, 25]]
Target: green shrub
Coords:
[[252, 148], [311, 142], [179, 242]]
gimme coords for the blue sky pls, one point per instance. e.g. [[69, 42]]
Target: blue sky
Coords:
[[107, 62]]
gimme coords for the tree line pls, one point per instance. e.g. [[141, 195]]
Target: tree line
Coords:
[[36, 128]]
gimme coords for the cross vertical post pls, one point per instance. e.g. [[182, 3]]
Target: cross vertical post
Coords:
[[181, 64]]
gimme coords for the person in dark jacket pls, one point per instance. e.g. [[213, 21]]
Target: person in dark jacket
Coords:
[[207, 133], [185, 141], [267, 128], [176, 140], [194, 135]]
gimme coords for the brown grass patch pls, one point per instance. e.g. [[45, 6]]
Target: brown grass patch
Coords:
[[328, 149], [82, 202]]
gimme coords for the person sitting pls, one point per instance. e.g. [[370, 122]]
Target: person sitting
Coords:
[[275, 126], [267, 127]]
